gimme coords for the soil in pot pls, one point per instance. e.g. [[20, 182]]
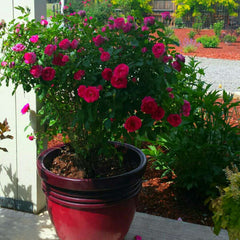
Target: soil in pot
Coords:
[[66, 165]]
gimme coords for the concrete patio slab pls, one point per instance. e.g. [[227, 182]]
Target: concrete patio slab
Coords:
[[15, 225]]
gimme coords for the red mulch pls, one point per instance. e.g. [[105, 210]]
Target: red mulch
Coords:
[[223, 51], [158, 196]]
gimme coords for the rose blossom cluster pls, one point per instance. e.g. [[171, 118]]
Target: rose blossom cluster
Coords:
[[62, 51]]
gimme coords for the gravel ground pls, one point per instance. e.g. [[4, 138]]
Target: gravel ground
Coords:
[[221, 71]]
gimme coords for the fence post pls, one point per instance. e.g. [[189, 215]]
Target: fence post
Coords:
[[20, 186]]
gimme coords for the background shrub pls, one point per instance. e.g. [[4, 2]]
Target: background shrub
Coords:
[[100, 11], [179, 23], [217, 27], [191, 34], [226, 208], [229, 38], [205, 143], [209, 41], [189, 45]]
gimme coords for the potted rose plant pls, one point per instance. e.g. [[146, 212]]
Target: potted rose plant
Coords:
[[95, 86]]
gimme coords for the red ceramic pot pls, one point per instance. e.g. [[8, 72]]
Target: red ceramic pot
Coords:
[[91, 209]]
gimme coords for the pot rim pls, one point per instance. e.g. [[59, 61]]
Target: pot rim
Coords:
[[48, 176]]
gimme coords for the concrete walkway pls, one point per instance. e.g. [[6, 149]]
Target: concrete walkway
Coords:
[[221, 71], [16, 225]]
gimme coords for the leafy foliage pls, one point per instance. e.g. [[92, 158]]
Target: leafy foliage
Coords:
[[194, 7], [64, 62], [197, 25], [192, 34], [209, 41], [226, 208], [229, 38], [136, 8], [217, 27], [206, 143], [100, 11], [3, 129]]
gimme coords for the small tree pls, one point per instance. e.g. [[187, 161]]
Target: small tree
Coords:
[[136, 8], [194, 7]]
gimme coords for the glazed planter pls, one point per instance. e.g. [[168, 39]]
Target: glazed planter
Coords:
[[92, 209]]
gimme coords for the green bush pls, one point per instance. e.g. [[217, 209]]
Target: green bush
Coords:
[[100, 11], [169, 32], [179, 23], [205, 143], [191, 34], [226, 208], [197, 26], [229, 38], [209, 41], [217, 27]]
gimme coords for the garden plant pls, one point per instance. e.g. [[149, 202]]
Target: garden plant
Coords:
[[226, 208], [205, 143], [4, 127], [94, 84]]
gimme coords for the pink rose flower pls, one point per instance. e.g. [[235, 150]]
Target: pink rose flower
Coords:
[[167, 59], [74, 44], [25, 108], [30, 58], [186, 108], [132, 124], [98, 40], [91, 94], [12, 64], [107, 74], [58, 60], [36, 71], [171, 95], [121, 71], [174, 120], [166, 15], [79, 74], [17, 30], [18, 47], [104, 29], [65, 44], [31, 138], [101, 50], [44, 22], [169, 89], [130, 19], [149, 105], [127, 27], [145, 28], [119, 23], [119, 82], [65, 58], [4, 64], [176, 65], [48, 74], [137, 237], [105, 56], [49, 49], [144, 49], [34, 38], [180, 58], [158, 50], [158, 114], [148, 21], [81, 90]]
